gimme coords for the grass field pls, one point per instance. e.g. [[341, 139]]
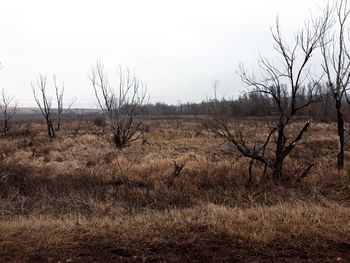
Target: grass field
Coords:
[[81, 200]]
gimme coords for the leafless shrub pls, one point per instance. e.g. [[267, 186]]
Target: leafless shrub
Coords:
[[121, 179], [79, 125], [176, 173], [100, 121], [15, 180], [122, 105]]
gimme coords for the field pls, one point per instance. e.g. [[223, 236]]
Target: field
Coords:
[[81, 200]]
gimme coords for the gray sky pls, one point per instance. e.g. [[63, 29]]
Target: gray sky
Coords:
[[178, 47]]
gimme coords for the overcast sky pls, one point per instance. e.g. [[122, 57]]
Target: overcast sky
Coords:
[[178, 47]]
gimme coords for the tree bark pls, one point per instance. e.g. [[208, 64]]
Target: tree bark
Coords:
[[341, 137], [277, 170], [50, 129]]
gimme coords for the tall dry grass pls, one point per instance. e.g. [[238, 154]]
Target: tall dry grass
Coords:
[[78, 188]]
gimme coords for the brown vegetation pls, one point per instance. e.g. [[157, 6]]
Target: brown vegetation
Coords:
[[178, 194]]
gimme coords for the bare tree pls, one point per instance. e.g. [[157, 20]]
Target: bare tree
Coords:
[[121, 105], [44, 104], [284, 85], [61, 111], [336, 64], [8, 107]]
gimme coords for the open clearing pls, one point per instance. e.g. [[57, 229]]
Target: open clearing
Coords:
[[81, 200]]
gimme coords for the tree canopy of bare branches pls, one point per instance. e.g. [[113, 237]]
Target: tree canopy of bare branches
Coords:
[[44, 102], [61, 111], [290, 86], [122, 105], [336, 63]]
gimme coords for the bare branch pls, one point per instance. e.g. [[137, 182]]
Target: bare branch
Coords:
[[122, 106]]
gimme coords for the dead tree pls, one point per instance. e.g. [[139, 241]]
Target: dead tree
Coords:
[[284, 85], [59, 99], [336, 64], [8, 108], [122, 105], [44, 104]]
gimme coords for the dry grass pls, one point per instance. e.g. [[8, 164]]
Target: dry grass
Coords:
[[85, 201], [201, 233]]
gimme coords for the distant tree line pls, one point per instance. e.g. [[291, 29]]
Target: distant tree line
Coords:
[[253, 105]]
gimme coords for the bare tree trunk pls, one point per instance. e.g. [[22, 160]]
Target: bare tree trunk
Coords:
[[6, 127], [341, 130], [336, 56], [277, 170], [51, 129]]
